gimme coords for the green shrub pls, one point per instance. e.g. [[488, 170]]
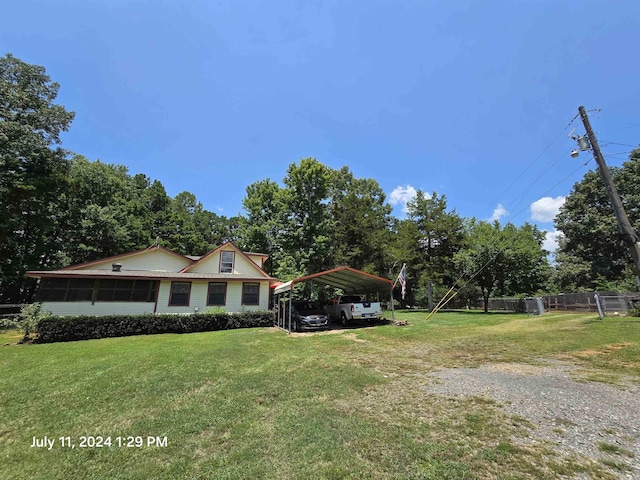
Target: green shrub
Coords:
[[64, 329], [30, 317], [10, 323], [211, 310]]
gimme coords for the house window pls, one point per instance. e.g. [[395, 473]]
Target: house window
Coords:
[[217, 294], [180, 292], [144, 291], [226, 262], [250, 294], [52, 290], [80, 289], [65, 289], [103, 290], [123, 290]]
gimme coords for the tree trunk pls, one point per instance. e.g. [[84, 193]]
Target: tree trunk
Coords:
[[486, 293], [430, 296]]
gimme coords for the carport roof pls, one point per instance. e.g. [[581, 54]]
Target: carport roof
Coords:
[[348, 279]]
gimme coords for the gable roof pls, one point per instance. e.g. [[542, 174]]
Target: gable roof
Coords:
[[126, 255], [218, 249], [81, 269]]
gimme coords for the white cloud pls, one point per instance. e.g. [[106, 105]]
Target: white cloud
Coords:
[[499, 212], [401, 195], [550, 243], [219, 208], [545, 209]]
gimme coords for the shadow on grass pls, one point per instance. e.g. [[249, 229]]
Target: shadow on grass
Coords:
[[458, 312], [359, 324]]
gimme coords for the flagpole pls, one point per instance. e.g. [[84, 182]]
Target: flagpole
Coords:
[[398, 277]]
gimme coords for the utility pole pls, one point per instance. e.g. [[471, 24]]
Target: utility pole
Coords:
[[628, 233]]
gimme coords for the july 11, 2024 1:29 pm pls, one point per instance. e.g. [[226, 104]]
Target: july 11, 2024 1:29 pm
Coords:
[[89, 441]]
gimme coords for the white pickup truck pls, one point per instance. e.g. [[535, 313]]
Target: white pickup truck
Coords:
[[352, 307]]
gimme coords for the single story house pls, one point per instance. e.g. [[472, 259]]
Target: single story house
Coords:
[[158, 280]]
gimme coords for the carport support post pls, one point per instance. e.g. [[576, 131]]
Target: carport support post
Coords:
[[290, 306], [393, 313]]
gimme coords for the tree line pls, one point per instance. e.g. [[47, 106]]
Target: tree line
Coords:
[[59, 208]]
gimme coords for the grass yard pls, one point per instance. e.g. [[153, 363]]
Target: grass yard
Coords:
[[263, 404]]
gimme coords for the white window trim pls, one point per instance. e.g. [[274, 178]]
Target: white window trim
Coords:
[[233, 259]]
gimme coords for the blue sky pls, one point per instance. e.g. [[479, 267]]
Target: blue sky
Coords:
[[466, 98]]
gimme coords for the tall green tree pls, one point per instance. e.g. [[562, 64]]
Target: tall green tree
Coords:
[[228, 229], [506, 261], [592, 253], [106, 211], [262, 228], [527, 267], [33, 171], [405, 249], [361, 219], [103, 211], [439, 235], [190, 229], [306, 238]]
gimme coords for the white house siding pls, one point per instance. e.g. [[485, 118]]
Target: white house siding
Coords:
[[257, 259], [198, 298], [245, 267], [158, 260], [264, 296], [241, 265], [234, 297], [97, 308], [211, 264]]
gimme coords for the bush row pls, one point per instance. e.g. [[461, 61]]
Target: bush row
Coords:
[[65, 329]]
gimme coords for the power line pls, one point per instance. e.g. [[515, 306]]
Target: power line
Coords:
[[515, 215], [621, 144], [618, 153], [535, 159], [553, 163], [544, 172], [451, 293]]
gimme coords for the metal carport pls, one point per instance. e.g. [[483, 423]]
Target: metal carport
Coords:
[[349, 280]]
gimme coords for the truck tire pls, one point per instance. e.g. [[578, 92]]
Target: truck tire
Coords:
[[343, 319]]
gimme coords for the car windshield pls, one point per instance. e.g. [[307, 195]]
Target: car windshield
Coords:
[[350, 299], [306, 306]]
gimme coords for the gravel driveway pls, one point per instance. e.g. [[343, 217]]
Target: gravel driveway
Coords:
[[597, 420]]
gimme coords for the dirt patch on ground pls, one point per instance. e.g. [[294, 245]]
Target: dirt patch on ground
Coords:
[[348, 336], [608, 349], [319, 332]]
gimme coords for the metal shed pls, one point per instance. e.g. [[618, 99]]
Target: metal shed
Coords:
[[349, 280]]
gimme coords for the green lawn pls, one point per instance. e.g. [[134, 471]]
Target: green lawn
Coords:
[[263, 404]]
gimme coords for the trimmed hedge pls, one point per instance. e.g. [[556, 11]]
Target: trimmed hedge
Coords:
[[67, 329]]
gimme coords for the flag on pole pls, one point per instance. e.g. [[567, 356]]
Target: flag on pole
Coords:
[[402, 278]]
